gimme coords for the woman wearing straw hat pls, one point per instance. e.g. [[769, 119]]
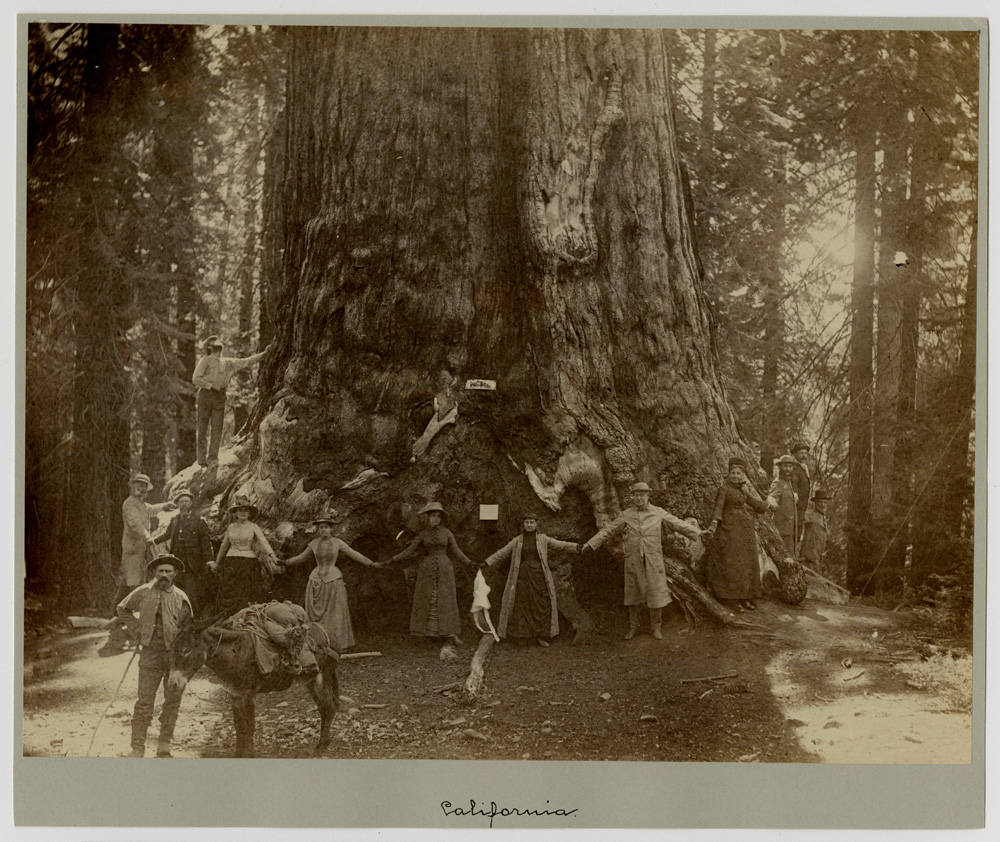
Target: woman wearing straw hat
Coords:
[[645, 574], [733, 568], [435, 606], [326, 596], [241, 576]]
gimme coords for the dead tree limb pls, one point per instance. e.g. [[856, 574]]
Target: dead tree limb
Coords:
[[474, 682]]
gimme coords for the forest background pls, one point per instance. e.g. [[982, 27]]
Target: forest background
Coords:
[[833, 180]]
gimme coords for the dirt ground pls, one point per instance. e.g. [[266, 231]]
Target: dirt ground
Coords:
[[816, 683]]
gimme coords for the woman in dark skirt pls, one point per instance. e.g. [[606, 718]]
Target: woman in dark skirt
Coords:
[[733, 571], [435, 606], [529, 610], [244, 569]]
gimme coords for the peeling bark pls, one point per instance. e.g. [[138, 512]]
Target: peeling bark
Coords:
[[502, 205]]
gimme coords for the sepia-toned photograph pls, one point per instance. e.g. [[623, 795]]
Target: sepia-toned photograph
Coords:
[[500, 393]]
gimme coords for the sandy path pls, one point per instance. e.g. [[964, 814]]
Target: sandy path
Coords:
[[862, 712]]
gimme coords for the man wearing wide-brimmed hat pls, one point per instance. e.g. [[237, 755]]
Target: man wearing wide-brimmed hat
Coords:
[[645, 576], [783, 501], [814, 534], [211, 378], [137, 549], [162, 608], [187, 538]]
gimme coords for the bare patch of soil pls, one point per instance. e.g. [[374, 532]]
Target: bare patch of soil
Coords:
[[791, 698]]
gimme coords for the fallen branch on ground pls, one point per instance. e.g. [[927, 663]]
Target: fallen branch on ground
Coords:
[[732, 674], [353, 655]]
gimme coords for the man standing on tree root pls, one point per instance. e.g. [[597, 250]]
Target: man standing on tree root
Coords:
[[211, 378], [162, 610], [645, 575], [137, 548]]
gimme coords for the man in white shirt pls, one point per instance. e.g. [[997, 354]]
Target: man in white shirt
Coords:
[[211, 377]]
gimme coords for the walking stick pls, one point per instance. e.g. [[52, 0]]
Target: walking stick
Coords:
[[115, 696]]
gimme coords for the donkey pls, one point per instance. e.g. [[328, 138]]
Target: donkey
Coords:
[[230, 655]]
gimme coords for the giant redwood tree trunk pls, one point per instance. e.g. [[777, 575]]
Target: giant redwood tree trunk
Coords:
[[501, 205]]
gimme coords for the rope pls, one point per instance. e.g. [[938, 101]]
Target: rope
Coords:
[[115, 696]]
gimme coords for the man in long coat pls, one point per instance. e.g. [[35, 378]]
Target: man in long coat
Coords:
[[187, 538], [783, 501], [137, 549], [801, 482], [814, 532], [645, 575], [529, 597]]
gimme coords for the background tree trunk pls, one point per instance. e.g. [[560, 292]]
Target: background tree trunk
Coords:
[[860, 561], [99, 460], [504, 205], [887, 510]]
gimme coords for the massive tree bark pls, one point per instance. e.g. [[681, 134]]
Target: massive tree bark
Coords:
[[491, 204]]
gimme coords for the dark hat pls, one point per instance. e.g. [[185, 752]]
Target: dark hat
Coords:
[[787, 459], [799, 445], [529, 516], [243, 503], [432, 507], [640, 486], [822, 494], [143, 479], [212, 342], [165, 559], [325, 516], [736, 462]]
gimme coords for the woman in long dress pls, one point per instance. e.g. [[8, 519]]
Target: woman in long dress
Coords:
[[733, 571], [529, 610], [435, 606], [242, 573], [326, 596]]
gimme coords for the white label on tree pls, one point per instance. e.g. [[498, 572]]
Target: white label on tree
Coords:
[[482, 385], [489, 511]]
